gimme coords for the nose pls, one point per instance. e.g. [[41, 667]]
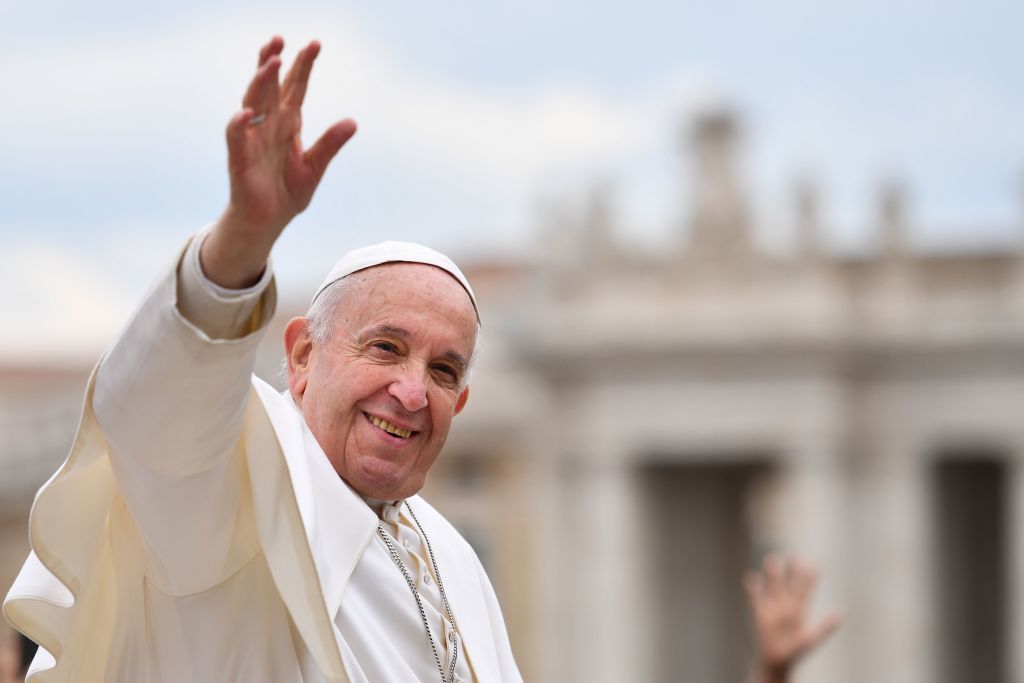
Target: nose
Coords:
[[410, 388]]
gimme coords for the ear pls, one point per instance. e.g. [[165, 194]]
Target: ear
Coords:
[[297, 348], [461, 402]]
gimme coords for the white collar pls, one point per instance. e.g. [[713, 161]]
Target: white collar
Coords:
[[338, 522]]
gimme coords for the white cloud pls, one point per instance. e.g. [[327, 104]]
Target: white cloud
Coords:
[[57, 305], [103, 104], [166, 93]]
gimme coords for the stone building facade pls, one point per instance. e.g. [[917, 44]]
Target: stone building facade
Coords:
[[642, 429], [672, 418]]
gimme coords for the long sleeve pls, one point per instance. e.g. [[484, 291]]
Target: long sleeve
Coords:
[[170, 398]]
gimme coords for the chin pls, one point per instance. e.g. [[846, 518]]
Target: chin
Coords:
[[385, 485]]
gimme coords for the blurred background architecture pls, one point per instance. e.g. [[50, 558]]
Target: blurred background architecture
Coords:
[[643, 429]]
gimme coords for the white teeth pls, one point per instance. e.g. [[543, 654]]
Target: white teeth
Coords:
[[390, 428]]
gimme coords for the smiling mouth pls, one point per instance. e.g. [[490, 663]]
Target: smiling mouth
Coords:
[[388, 427]]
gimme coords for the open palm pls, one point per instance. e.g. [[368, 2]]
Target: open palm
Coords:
[[272, 177], [779, 597]]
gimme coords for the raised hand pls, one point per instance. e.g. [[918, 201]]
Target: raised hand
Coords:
[[779, 597], [272, 177]]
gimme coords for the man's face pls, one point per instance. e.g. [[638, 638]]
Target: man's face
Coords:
[[380, 395]]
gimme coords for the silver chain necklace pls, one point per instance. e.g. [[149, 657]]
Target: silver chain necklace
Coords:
[[449, 676]]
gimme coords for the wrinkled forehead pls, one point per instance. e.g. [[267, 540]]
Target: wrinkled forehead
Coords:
[[403, 278]]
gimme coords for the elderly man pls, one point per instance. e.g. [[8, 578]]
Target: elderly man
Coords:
[[208, 528]]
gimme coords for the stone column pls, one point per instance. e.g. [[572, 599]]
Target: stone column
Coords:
[[605, 631], [813, 525], [545, 501], [891, 621]]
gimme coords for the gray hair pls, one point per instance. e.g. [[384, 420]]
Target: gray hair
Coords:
[[321, 315]]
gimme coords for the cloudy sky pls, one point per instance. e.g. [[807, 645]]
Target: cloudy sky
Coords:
[[473, 115]]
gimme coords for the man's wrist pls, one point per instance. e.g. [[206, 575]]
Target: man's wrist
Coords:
[[193, 268], [766, 673], [234, 255]]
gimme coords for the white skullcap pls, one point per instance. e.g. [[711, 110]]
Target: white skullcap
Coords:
[[390, 252]]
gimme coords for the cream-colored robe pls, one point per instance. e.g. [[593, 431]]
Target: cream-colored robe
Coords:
[[104, 598]]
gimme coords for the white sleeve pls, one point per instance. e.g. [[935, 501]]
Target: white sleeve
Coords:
[[170, 398], [218, 312]]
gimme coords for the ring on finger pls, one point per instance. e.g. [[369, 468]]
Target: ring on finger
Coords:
[[258, 119]]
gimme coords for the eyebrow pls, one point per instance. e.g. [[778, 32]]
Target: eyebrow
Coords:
[[456, 358], [387, 330], [402, 333]]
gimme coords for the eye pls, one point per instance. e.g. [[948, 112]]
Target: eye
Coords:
[[385, 346], [449, 373]]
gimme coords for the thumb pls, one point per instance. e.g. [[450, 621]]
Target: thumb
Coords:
[[323, 150], [823, 630]]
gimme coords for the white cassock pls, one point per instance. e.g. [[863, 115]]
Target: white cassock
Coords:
[[197, 531]]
